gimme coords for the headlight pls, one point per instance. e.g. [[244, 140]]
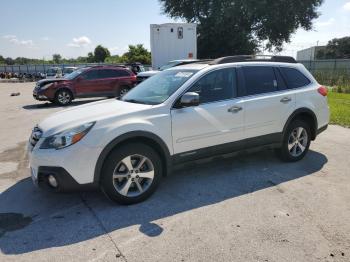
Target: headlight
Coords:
[[45, 86], [67, 137]]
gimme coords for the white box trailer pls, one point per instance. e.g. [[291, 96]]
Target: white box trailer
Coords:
[[173, 41]]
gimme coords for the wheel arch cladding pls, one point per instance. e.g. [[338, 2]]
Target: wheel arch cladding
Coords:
[[308, 116], [147, 138]]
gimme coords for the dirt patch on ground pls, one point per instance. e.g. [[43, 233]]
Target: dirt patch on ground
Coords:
[[18, 155]]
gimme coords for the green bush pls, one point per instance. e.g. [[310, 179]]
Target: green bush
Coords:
[[339, 81]]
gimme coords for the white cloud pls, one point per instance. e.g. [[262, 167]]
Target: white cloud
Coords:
[[9, 36], [347, 6], [116, 50], [325, 23], [14, 40], [80, 42]]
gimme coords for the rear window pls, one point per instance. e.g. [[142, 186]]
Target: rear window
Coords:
[[259, 79], [294, 78]]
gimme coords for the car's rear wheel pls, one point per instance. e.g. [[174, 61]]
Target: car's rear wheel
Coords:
[[123, 91], [131, 173], [296, 141], [63, 97]]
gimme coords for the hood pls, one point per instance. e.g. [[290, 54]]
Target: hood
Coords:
[[90, 112], [148, 73], [48, 81]]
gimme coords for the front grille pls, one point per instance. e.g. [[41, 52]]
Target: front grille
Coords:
[[35, 136]]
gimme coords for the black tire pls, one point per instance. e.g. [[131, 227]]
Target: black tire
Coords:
[[114, 161], [289, 155], [123, 91], [63, 97]]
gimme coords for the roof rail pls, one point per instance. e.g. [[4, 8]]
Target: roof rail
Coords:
[[253, 58]]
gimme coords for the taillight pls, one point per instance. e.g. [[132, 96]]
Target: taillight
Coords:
[[323, 90]]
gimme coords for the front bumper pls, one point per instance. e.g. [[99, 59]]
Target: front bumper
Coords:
[[40, 97], [65, 182], [73, 167]]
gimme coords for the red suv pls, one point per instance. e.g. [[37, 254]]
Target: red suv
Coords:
[[97, 81]]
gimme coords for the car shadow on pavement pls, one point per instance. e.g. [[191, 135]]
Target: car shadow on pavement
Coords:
[[53, 105], [64, 219]]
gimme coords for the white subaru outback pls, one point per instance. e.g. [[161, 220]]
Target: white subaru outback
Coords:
[[184, 113]]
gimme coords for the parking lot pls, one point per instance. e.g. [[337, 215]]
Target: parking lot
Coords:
[[245, 208]]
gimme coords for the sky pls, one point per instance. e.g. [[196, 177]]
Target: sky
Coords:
[[72, 28]]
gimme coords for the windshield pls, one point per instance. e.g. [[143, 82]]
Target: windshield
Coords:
[[51, 71], [68, 70], [74, 74], [158, 88]]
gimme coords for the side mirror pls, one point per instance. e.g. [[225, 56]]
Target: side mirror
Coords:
[[189, 99], [79, 78]]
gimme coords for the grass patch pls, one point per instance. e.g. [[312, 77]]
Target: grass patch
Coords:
[[339, 104]]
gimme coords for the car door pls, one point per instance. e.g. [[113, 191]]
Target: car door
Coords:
[[267, 102], [88, 84], [109, 81], [216, 121]]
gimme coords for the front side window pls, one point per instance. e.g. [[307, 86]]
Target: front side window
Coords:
[[294, 78], [216, 86], [75, 74], [259, 79], [158, 88]]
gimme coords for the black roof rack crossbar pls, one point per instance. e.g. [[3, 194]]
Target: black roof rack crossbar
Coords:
[[253, 58]]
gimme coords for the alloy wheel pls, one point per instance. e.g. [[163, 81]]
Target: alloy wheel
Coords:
[[63, 97], [133, 175], [297, 141], [123, 92]]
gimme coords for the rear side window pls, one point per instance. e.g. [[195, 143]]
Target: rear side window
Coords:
[[112, 73], [216, 86], [294, 77], [259, 79], [123, 73]]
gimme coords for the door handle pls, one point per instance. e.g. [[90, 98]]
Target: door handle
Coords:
[[286, 99], [234, 109]]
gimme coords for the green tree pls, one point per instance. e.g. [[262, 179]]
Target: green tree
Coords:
[[9, 61], [56, 58], [337, 48], [101, 53], [137, 53], [2, 60], [229, 27], [90, 58], [114, 59]]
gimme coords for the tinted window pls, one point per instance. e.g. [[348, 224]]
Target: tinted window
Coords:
[[90, 75], [108, 73], [123, 73], [294, 77], [280, 81], [259, 79], [216, 86]]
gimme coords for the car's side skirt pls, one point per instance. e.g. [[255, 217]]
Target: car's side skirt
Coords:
[[271, 141]]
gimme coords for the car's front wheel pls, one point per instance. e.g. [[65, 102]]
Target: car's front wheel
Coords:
[[131, 173], [296, 141], [63, 97]]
